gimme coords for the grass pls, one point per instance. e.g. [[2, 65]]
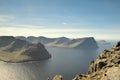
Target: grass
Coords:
[[15, 56]]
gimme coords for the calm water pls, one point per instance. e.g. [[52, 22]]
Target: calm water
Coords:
[[67, 62]]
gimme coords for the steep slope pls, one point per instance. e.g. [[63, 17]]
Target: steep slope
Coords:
[[16, 50], [85, 43]]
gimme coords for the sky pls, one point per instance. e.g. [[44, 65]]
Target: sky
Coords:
[[56, 18]]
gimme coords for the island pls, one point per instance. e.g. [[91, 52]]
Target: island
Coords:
[[103, 42], [17, 50], [63, 42]]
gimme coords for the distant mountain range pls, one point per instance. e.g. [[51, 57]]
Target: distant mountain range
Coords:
[[17, 50], [80, 43]]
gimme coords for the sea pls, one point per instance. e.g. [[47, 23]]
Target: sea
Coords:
[[67, 62]]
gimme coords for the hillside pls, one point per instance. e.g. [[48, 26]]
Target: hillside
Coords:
[[80, 43], [16, 50]]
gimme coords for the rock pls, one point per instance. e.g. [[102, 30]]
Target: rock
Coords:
[[96, 66], [118, 44], [58, 77], [80, 76], [113, 73]]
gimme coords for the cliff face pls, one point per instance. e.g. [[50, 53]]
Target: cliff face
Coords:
[[87, 43], [105, 67], [16, 50]]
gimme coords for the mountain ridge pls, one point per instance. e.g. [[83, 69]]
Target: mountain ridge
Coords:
[[79, 43]]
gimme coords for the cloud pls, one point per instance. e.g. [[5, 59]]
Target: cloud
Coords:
[[14, 25], [6, 18], [67, 32], [64, 23], [25, 31]]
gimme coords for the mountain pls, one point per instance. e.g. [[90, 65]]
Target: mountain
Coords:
[[80, 43], [17, 50], [105, 67]]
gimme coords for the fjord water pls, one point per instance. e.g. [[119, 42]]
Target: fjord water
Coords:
[[64, 61]]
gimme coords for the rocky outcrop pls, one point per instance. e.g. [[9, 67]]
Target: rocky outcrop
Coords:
[[105, 67], [58, 77], [16, 50], [80, 43]]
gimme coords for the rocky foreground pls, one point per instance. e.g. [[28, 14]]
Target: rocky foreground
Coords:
[[105, 67]]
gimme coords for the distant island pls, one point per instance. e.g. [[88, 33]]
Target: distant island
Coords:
[[103, 42], [22, 49], [16, 50], [79, 43]]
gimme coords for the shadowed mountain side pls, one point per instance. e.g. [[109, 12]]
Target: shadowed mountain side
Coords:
[[80, 43], [16, 50], [4, 41]]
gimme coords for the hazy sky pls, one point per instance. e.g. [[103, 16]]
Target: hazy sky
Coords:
[[55, 18]]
